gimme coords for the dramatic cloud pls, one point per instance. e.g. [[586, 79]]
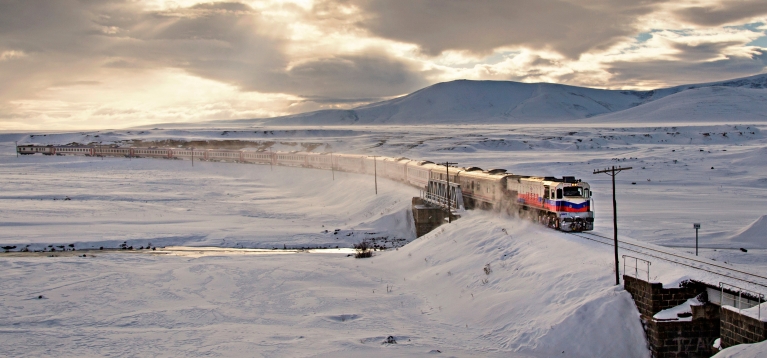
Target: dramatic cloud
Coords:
[[724, 12], [116, 63], [568, 27], [640, 71]]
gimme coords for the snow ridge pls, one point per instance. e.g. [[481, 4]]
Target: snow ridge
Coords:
[[508, 102]]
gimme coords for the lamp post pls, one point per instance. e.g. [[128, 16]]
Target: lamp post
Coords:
[[613, 172], [696, 226]]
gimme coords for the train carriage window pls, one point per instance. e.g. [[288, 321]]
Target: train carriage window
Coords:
[[559, 193], [586, 193]]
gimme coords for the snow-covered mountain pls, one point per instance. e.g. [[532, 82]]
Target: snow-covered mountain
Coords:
[[509, 102]]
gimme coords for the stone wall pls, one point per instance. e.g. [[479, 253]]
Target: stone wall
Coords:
[[694, 338], [651, 298], [685, 338], [738, 329], [427, 218]]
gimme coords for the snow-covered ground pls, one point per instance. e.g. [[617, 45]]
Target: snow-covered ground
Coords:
[[169, 202], [547, 292], [433, 294]]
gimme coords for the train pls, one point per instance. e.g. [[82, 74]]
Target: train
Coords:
[[564, 203]]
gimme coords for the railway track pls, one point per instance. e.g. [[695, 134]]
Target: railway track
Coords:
[[676, 258]]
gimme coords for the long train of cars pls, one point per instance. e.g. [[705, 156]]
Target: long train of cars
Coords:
[[561, 203]]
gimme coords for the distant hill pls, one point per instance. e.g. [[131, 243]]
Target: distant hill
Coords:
[[701, 104], [467, 102]]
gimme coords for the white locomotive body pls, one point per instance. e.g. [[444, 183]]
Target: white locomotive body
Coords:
[[563, 203]]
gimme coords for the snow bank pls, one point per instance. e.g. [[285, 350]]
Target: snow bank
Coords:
[[755, 233], [755, 350], [529, 289]]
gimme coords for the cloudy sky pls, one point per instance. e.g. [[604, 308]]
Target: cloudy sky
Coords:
[[68, 64]]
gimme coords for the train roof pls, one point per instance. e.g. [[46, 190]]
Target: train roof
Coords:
[[71, 146], [564, 179], [496, 171]]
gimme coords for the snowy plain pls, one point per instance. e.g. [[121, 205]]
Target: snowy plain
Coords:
[[547, 292], [487, 284]]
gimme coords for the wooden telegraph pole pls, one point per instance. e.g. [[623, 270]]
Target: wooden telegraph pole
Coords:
[[447, 189], [613, 172], [375, 173], [332, 169], [192, 156]]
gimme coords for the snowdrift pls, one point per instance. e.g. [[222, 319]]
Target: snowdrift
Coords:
[[528, 288], [755, 234], [755, 350]]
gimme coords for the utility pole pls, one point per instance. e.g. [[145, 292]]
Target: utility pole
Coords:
[[375, 173], [16, 143], [447, 190], [331, 166], [613, 172], [270, 159], [192, 157]]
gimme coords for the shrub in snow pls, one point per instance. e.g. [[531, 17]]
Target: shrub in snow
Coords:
[[487, 269], [363, 250]]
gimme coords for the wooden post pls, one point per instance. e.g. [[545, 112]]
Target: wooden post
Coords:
[[612, 172], [447, 190]]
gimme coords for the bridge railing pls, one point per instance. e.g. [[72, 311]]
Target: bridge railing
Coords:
[[637, 270], [437, 194], [740, 298]]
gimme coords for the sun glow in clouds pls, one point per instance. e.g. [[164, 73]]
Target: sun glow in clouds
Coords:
[[157, 96], [124, 64]]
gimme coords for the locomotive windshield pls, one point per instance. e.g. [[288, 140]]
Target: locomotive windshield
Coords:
[[573, 191]]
